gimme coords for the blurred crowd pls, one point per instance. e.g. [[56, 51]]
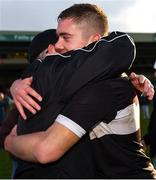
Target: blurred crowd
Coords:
[[6, 103]]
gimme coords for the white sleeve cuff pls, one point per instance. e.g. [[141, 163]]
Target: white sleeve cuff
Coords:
[[75, 128]]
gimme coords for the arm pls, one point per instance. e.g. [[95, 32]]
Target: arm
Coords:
[[73, 122], [42, 147]]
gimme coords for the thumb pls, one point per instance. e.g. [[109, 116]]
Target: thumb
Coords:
[[28, 80], [133, 76], [14, 130]]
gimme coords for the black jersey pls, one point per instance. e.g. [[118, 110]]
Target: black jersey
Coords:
[[109, 111], [57, 79]]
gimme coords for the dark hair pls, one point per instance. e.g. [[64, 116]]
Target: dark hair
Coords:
[[40, 42], [91, 14]]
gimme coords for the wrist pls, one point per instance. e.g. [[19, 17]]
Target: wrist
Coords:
[[7, 142]]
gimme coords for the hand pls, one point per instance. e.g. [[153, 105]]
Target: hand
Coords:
[[142, 84], [21, 92]]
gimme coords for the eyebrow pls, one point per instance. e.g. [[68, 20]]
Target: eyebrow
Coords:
[[64, 34]]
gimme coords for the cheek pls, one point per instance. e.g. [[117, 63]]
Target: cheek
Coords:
[[71, 46], [78, 44]]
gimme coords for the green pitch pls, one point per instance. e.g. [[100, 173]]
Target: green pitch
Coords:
[[5, 165]]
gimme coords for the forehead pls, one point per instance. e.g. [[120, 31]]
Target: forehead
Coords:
[[66, 25]]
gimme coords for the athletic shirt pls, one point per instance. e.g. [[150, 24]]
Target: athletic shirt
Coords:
[[109, 111], [57, 79]]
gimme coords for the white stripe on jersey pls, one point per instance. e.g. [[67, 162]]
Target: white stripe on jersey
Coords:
[[127, 121], [68, 123]]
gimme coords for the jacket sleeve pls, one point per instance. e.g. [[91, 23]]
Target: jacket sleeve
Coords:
[[107, 58]]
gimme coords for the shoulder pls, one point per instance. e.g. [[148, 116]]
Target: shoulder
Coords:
[[55, 61]]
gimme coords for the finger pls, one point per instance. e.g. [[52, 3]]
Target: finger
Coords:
[[27, 100], [150, 96], [141, 78], [20, 109], [26, 105], [33, 93], [148, 89], [147, 85], [134, 79], [150, 93], [28, 80], [133, 76]]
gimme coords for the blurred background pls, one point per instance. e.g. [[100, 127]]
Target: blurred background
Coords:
[[21, 20]]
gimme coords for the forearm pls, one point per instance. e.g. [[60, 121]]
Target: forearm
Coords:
[[43, 147], [24, 146]]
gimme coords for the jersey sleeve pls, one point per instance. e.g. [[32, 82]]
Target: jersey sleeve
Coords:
[[90, 105], [41, 80], [31, 69], [107, 58]]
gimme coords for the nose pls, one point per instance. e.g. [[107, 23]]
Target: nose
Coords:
[[59, 47]]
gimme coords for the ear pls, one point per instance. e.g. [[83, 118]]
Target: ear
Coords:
[[51, 49], [95, 37]]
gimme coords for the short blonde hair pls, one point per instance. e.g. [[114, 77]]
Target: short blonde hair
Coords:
[[90, 15]]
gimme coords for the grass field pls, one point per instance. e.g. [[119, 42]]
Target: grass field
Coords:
[[6, 164]]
